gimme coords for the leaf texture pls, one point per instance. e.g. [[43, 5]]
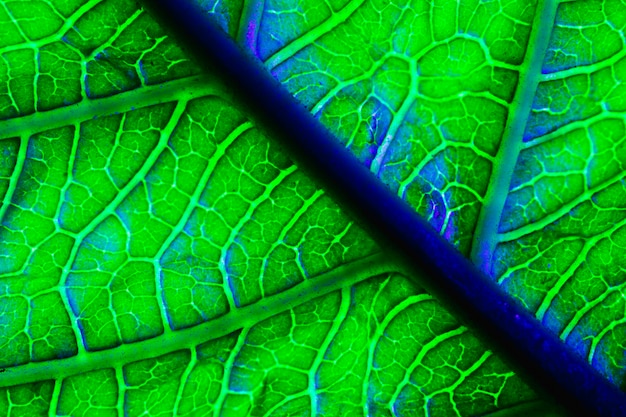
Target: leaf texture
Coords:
[[159, 256], [500, 122]]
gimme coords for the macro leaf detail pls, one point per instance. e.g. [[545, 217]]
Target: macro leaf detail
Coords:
[[160, 256], [500, 123]]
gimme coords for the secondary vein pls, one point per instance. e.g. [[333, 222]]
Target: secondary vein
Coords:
[[484, 242], [343, 276]]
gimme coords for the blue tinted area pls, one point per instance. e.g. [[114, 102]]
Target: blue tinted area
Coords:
[[142, 72], [605, 362], [104, 248]]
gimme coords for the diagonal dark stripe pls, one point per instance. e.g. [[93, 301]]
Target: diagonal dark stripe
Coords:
[[513, 333]]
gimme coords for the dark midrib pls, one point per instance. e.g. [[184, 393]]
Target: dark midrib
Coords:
[[536, 354]]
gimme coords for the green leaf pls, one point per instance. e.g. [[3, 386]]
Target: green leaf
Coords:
[[502, 124], [159, 255]]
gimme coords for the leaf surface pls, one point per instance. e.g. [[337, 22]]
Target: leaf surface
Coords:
[[159, 255], [500, 122]]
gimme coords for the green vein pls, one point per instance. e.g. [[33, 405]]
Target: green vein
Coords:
[[283, 234], [245, 218], [563, 211], [343, 276], [337, 323], [589, 305], [311, 36], [228, 368], [398, 119], [585, 69], [109, 209], [17, 170], [598, 338], [427, 347], [186, 88], [184, 378], [193, 203], [484, 241], [67, 25], [567, 275], [572, 126], [378, 334], [248, 31]]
